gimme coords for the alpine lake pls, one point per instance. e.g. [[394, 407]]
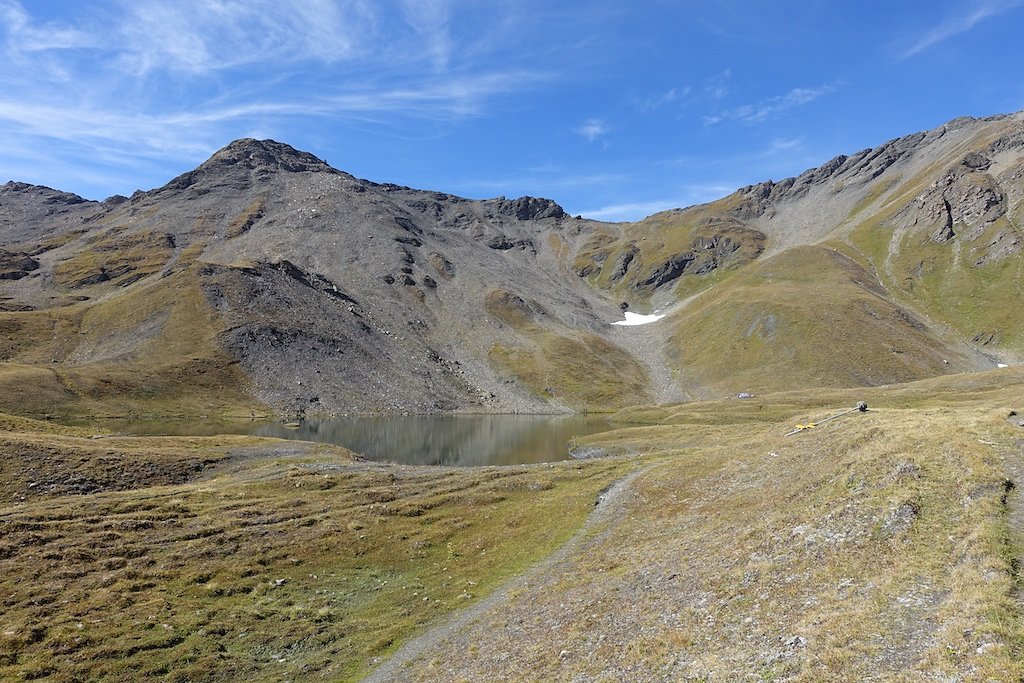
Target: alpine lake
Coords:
[[448, 440]]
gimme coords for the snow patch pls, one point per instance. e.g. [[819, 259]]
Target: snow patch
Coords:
[[638, 319], [998, 365]]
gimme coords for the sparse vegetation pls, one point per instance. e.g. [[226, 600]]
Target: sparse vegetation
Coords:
[[882, 546], [243, 221], [116, 258], [582, 371], [280, 560], [150, 350], [873, 547], [232, 557]]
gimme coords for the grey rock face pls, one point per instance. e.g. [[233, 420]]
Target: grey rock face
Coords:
[[14, 266], [245, 159], [622, 263], [965, 202], [334, 294], [529, 208], [337, 294]]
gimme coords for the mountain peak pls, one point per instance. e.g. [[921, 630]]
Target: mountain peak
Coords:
[[239, 162], [265, 154]]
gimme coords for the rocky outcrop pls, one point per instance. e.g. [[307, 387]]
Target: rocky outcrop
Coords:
[[513, 309], [852, 171], [243, 160], [528, 208], [623, 262], [502, 242], [669, 270], [964, 202], [39, 193], [14, 266]]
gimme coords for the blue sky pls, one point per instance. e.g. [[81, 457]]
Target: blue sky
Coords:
[[615, 110]]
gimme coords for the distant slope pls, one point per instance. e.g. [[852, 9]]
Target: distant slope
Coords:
[[267, 278], [808, 317], [318, 292], [932, 222]]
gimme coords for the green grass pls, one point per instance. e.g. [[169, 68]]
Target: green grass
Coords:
[[810, 317], [976, 301], [280, 567], [582, 371], [151, 349]]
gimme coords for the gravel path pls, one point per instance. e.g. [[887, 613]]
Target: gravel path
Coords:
[[610, 507]]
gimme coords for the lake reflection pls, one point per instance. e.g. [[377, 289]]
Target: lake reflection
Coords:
[[461, 440]]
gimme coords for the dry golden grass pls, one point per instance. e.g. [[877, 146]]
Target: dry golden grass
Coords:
[[579, 370], [285, 561], [574, 368], [241, 223], [810, 317], [874, 547], [117, 258], [151, 349]]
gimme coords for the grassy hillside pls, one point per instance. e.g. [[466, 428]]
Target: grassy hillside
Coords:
[[872, 548], [948, 241], [684, 251], [252, 558], [809, 317], [981, 301], [875, 546], [150, 349], [573, 368]]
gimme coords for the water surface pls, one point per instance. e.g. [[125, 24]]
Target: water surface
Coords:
[[463, 440]]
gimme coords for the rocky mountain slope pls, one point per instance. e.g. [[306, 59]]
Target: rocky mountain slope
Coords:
[[266, 278]]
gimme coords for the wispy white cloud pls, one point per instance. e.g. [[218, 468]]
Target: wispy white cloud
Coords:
[[152, 81], [658, 100], [629, 211], [430, 19], [186, 133], [771, 107], [634, 211], [201, 36], [966, 19], [592, 129], [717, 87], [25, 35], [784, 145]]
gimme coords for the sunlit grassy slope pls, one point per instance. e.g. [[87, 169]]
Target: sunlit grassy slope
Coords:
[[233, 557], [874, 546], [704, 243], [147, 349], [982, 301], [809, 317], [575, 368]]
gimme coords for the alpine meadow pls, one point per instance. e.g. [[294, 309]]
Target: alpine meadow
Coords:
[[803, 398]]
